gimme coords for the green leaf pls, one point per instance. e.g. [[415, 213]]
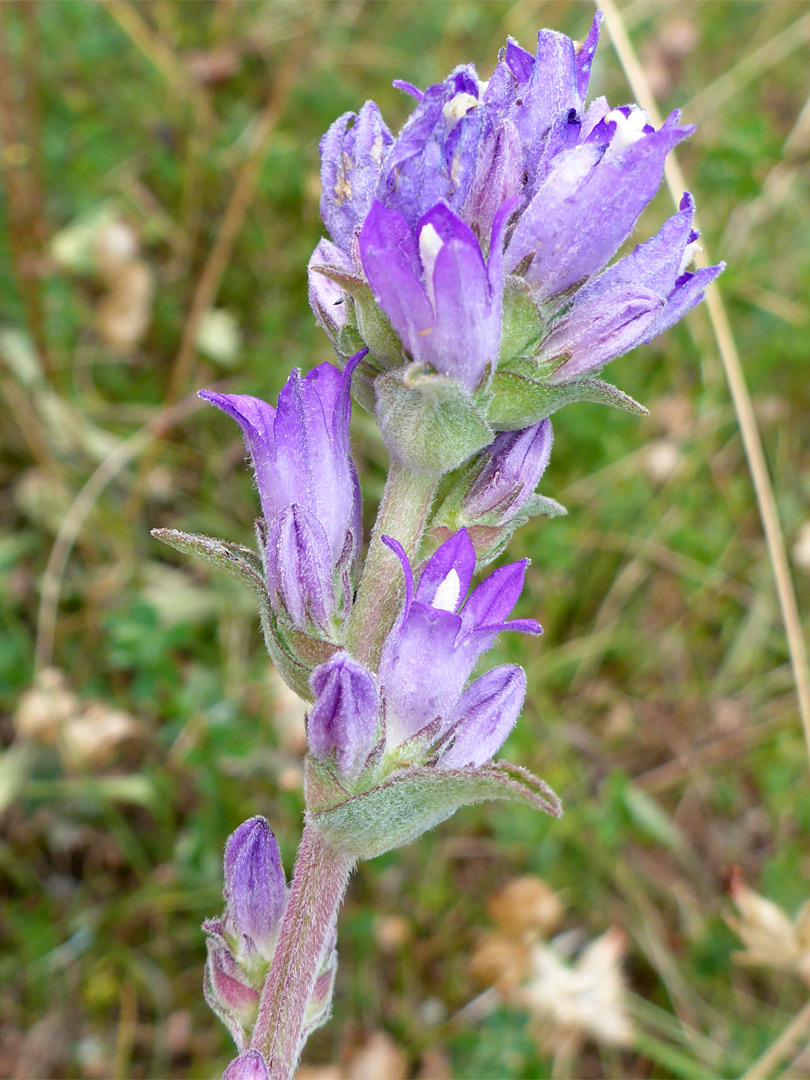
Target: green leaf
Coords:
[[401, 809]]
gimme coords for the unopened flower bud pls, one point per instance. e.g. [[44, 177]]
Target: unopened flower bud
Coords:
[[486, 714], [344, 717], [510, 472], [249, 1066], [255, 888]]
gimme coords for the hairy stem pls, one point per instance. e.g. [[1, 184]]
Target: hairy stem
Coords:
[[319, 881], [402, 514]]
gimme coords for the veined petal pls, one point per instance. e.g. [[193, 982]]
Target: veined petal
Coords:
[[421, 671], [391, 263], [299, 566], [484, 716], [492, 601], [313, 468], [351, 159], [584, 57], [595, 332], [688, 291], [344, 716], [256, 419]]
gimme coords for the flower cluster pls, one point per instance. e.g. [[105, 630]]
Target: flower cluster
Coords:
[[403, 714], [474, 244], [469, 292]]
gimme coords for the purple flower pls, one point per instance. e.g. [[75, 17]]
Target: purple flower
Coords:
[[307, 483], [255, 889], [442, 298], [486, 220], [510, 471], [631, 302], [589, 200], [440, 636], [344, 717]]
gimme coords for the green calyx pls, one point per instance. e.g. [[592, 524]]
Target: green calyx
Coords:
[[521, 396], [429, 422]]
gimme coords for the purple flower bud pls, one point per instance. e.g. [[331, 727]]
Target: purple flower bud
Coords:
[[249, 1066], [484, 716], [255, 889], [299, 567], [351, 156], [441, 634], [344, 716], [511, 470]]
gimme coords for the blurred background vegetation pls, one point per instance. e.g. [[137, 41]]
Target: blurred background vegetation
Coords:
[[160, 202]]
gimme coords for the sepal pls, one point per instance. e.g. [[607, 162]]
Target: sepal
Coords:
[[227, 993], [519, 399], [238, 561], [399, 810], [372, 324], [523, 326], [429, 422]]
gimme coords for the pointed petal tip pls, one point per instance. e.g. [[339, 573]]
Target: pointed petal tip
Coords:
[[687, 202]]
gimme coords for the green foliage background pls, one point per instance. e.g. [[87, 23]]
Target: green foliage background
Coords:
[[660, 706]]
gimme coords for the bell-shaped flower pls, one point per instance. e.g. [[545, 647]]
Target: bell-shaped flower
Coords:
[[440, 295], [351, 158], [589, 201], [442, 633], [307, 484], [631, 302], [343, 720]]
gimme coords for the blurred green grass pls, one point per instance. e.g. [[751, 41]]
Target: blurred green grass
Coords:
[[660, 702]]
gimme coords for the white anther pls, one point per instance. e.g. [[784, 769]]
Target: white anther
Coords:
[[448, 593], [629, 129], [457, 107], [430, 244], [689, 253]]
